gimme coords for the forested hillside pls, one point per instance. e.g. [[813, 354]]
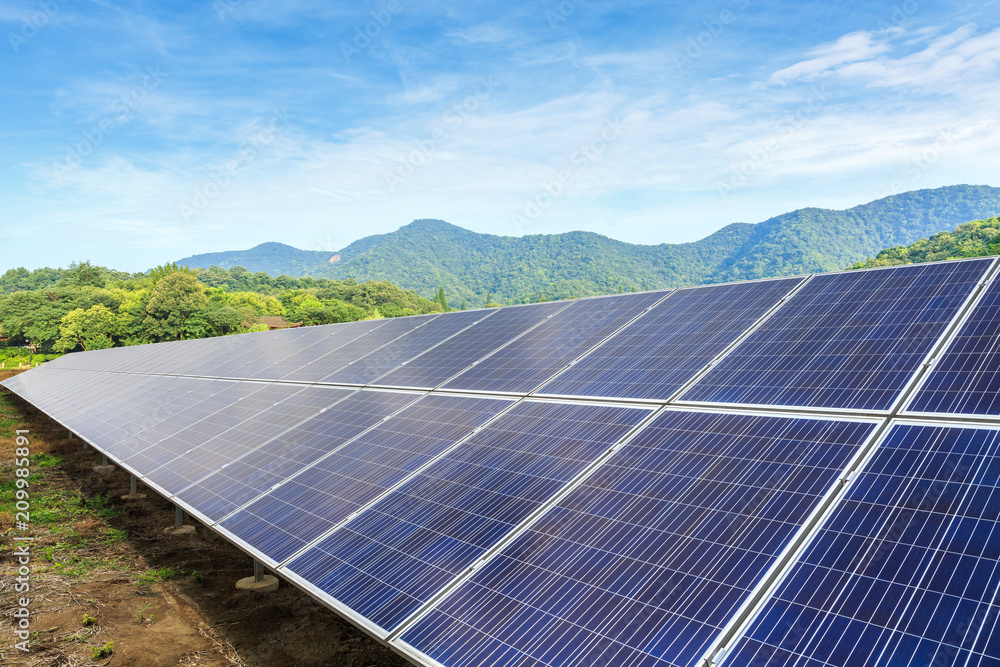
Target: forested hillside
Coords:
[[427, 253], [978, 238]]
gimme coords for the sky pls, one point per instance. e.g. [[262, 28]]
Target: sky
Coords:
[[138, 133]]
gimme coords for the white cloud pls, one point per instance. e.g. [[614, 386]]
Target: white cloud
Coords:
[[944, 64], [853, 47]]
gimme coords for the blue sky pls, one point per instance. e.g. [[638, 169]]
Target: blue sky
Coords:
[[137, 133]]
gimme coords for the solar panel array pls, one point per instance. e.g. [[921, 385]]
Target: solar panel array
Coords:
[[791, 471]]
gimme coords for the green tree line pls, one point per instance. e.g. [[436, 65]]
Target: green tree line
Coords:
[[88, 307]]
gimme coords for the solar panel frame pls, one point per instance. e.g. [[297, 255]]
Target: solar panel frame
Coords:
[[891, 533], [606, 467], [689, 396]]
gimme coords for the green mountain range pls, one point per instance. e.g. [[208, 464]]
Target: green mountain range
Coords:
[[427, 253]]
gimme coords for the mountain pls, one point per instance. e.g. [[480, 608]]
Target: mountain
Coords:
[[979, 238], [427, 253]]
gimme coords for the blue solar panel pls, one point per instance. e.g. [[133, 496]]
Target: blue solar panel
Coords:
[[218, 440], [906, 569], [966, 379], [848, 340], [276, 461], [650, 557], [546, 349], [658, 353], [397, 554], [384, 359], [438, 364], [324, 364], [292, 350], [306, 506]]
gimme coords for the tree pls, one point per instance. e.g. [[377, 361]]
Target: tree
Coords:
[[90, 329], [83, 274], [442, 300], [176, 297]]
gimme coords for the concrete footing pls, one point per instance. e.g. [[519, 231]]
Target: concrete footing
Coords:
[[104, 470], [134, 496], [175, 531], [267, 584]]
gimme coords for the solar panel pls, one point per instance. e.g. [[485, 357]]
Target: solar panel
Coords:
[[466, 527], [966, 378], [546, 349], [904, 571], [452, 356], [306, 506], [647, 560], [195, 401], [388, 357], [278, 460], [291, 352], [323, 365], [397, 554], [658, 353], [848, 340]]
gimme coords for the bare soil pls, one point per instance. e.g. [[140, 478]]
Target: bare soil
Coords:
[[160, 600]]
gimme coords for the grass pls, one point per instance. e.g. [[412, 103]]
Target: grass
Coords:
[[154, 575]]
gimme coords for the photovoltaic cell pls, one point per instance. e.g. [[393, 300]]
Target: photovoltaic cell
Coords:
[[438, 364], [966, 378], [904, 571], [849, 340], [658, 353], [384, 359], [397, 554], [306, 506], [322, 366], [237, 430], [200, 400], [278, 460], [294, 353], [546, 349], [650, 557]]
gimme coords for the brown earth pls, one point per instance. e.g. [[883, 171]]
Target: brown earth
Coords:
[[160, 600]]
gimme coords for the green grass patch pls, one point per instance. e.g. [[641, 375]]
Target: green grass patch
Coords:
[[43, 460], [155, 575]]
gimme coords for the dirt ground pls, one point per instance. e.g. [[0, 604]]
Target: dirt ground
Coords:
[[104, 576]]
